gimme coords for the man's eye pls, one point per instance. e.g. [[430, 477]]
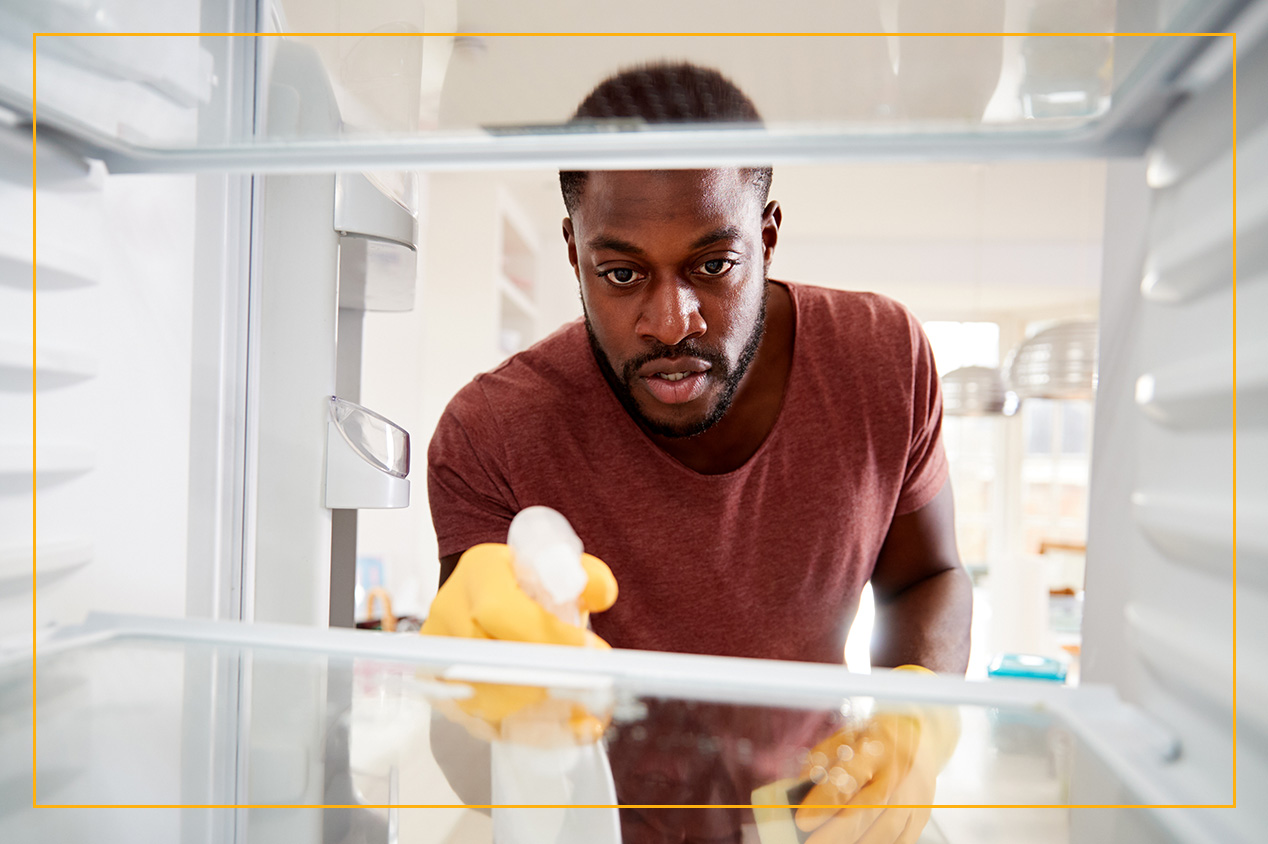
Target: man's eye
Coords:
[[717, 266], [620, 275]]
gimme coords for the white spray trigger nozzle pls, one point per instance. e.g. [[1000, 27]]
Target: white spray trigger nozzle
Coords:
[[547, 559]]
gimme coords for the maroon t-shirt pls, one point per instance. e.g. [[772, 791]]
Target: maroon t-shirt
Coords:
[[765, 561]]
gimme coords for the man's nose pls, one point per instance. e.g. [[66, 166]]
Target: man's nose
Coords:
[[671, 312]]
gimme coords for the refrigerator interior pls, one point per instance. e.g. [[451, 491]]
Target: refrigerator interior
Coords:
[[196, 231]]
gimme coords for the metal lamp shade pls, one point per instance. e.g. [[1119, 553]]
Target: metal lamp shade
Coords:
[[975, 391], [1056, 363]]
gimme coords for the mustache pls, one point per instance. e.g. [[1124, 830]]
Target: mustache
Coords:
[[687, 349]]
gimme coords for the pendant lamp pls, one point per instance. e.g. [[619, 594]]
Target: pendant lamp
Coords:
[[976, 391], [1058, 362]]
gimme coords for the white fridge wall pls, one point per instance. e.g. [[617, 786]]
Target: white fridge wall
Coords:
[[120, 419], [1170, 439], [115, 294], [136, 415], [1106, 656]]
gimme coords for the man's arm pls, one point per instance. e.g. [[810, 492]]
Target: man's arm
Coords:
[[447, 565], [924, 599]]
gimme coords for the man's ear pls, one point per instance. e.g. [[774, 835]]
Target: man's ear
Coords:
[[772, 216], [571, 239]]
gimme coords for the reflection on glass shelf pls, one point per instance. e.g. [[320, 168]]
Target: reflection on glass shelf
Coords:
[[372, 745], [422, 735]]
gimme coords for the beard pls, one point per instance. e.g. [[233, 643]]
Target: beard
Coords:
[[721, 368]]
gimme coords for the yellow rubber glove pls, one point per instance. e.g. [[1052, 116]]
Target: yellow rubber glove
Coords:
[[890, 761], [483, 600]]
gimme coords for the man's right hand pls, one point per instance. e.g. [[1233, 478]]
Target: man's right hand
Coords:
[[482, 600]]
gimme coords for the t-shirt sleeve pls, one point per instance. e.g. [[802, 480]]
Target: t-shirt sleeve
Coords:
[[467, 488], [926, 460]]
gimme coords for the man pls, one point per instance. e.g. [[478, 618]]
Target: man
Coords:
[[744, 454]]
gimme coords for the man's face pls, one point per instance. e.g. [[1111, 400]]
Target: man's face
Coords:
[[672, 268]]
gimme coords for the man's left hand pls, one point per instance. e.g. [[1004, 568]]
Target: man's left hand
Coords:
[[874, 782]]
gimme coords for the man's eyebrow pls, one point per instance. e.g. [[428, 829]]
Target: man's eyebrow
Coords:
[[614, 244], [717, 235]]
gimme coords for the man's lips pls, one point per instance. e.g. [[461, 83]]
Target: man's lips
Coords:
[[673, 366], [675, 380]]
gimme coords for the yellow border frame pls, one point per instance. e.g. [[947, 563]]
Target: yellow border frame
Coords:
[[34, 430]]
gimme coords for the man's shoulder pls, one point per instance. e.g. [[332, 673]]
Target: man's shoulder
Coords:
[[543, 375], [852, 321], [830, 304]]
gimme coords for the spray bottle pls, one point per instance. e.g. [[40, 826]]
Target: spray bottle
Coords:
[[546, 556], [547, 562]]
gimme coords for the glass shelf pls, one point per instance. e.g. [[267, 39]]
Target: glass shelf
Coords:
[[184, 714], [404, 97]]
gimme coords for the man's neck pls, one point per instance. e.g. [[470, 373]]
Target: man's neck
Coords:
[[738, 435]]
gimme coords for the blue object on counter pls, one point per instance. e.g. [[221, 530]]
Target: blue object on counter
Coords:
[[1028, 666]]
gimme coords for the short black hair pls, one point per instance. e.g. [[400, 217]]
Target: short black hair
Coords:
[[666, 93]]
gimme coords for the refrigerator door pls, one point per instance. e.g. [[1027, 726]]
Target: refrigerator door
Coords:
[[214, 731]]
